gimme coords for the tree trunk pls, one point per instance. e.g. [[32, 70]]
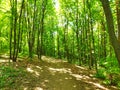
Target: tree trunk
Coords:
[[41, 32], [15, 32], [19, 30], [118, 18], [110, 25], [58, 45]]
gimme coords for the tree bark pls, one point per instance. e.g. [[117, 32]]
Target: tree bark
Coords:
[[110, 25], [15, 31], [11, 29], [118, 17], [41, 30]]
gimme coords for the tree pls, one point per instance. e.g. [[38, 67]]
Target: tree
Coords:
[[110, 25], [73, 30], [14, 17], [118, 17], [41, 32]]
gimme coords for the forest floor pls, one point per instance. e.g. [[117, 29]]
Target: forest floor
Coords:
[[54, 74]]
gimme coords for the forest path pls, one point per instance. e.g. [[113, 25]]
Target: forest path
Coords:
[[54, 74]]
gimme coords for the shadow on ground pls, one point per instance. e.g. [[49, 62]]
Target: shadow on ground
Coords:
[[53, 74]]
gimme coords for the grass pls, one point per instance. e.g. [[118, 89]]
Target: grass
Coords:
[[8, 75], [109, 71]]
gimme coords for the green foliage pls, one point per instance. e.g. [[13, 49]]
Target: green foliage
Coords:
[[110, 64], [71, 30], [109, 71], [101, 74], [112, 79], [106, 82], [8, 75], [108, 77]]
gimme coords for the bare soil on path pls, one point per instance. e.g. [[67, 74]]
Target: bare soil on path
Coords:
[[55, 74]]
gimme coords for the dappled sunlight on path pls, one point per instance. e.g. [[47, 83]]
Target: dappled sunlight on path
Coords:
[[55, 74]]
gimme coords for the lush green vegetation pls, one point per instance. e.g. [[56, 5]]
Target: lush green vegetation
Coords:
[[83, 32], [109, 72], [8, 75]]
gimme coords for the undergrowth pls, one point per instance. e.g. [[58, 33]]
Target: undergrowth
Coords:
[[8, 75], [109, 71]]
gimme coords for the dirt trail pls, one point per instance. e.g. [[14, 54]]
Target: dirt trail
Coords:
[[51, 74]]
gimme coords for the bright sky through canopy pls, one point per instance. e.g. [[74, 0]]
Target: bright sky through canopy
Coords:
[[56, 5]]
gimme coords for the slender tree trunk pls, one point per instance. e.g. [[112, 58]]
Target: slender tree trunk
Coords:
[[110, 24], [15, 32], [92, 45], [11, 37], [19, 32], [38, 35], [104, 53], [41, 32], [118, 18], [31, 28], [0, 42], [58, 45], [85, 43], [11, 28], [77, 33]]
